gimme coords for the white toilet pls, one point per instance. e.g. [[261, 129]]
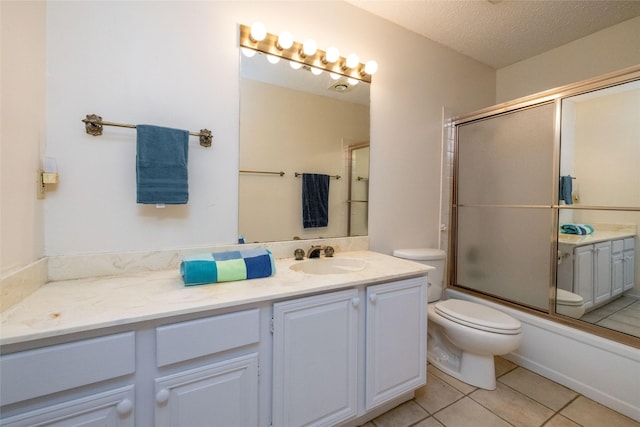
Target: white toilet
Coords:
[[569, 304], [463, 336]]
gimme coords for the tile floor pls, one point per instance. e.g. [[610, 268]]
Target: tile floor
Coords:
[[622, 314], [522, 398]]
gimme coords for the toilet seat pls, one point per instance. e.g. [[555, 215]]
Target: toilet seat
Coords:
[[568, 298], [478, 316]]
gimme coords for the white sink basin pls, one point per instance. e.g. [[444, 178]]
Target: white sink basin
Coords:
[[329, 265]]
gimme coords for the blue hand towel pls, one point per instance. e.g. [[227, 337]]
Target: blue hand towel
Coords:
[[227, 266], [566, 189], [161, 165], [315, 200], [581, 229]]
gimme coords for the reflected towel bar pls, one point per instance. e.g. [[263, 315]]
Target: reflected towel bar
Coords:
[[297, 174], [264, 172], [94, 123]]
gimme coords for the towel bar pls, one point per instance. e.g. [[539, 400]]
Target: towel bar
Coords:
[[297, 174], [263, 172], [94, 123]]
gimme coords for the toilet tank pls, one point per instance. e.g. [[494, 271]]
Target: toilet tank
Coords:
[[432, 257]]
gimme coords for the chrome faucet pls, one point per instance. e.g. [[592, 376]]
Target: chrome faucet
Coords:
[[314, 251]]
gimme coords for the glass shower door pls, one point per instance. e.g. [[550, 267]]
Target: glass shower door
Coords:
[[503, 205]]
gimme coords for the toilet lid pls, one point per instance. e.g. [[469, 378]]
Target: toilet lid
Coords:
[[478, 316], [568, 298]]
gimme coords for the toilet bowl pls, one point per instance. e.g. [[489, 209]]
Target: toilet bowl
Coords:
[[569, 304], [463, 336]]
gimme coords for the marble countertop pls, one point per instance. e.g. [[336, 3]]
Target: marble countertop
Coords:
[[596, 237], [70, 306]]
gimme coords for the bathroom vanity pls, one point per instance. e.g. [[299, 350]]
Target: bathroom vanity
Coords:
[[292, 349], [599, 267]]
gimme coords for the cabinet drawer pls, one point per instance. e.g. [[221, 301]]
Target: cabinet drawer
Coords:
[[617, 246], [43, 371], [629, 243], [196, 338]]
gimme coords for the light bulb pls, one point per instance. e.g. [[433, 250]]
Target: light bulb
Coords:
[[295, 65], [334, 76], [316, 71], [258, 31], [309, 47], [332, 55], [249, 53], [273, 59], [353, 81], [371, 67], [285, 40], [352, 60]]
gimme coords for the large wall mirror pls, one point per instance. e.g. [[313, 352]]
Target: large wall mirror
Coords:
[[599, 158], [293, 122], [546, 207]]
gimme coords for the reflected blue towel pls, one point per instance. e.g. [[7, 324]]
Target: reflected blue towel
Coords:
[[161, 165], [227, 266], [581, 229], [315, 200], [566, 189]]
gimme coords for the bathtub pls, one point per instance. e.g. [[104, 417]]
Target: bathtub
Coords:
[[600, 369]]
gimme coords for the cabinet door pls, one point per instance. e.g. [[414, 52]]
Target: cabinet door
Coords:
[[315, 343], [109, 409], [602, 271], [396, 339], [629, 263], [221, 394], [617, 273], [583, 274]]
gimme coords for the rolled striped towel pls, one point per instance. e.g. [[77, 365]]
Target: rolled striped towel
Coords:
[[581, 229], [227, 266]]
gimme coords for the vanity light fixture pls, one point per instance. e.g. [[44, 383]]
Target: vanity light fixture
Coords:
[[258, 32], [352, 61], [331, 56], [273, 59], [257, 39], [285, 40]]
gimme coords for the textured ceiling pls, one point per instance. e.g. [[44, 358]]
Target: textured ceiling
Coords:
[[500, 33]]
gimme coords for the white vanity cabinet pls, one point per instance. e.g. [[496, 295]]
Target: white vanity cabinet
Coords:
[[583, 273], [86, 382], [624, 259], [396, 340], [603, 270], [223, 391], [318, 378], [628, 263], [592, 273], [315, 359]]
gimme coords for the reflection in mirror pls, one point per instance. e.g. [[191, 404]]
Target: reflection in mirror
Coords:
[[600, 146], [596, 274], [358, 189], [600, 153], [294, 121]]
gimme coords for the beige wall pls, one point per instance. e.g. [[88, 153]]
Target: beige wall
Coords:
[[22, 132], [176, 64], [608, 50]]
